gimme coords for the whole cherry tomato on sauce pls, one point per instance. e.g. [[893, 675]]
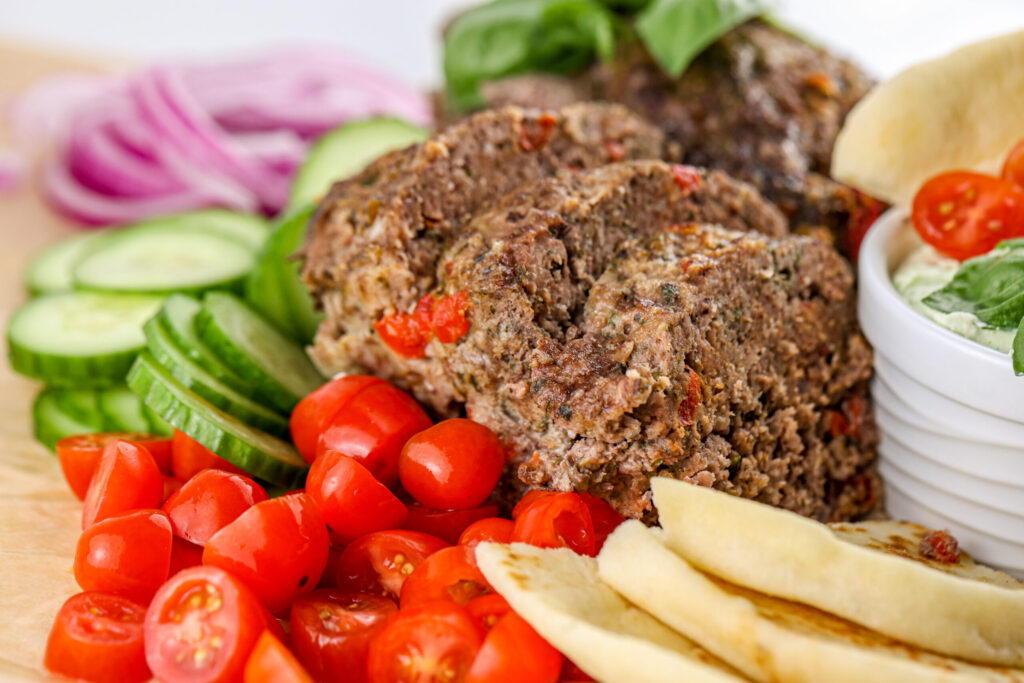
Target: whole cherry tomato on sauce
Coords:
[[490, 529], [513, 652], [126, 479], [127, 555], [272, 661], [429, 643], [353, 501], [331, 632], [381, 561], [561, 520], [314, 412], [448, 574], [453, 465], [209, 501], [98, 637], [446, 524]]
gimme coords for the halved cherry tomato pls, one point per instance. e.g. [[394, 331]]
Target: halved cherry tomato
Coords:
[[448, 574], [488, 609], [332, 629], [98, 637], [513, 652], [80, 455], [490, 529], [446, 524], [373, 428], [313, 413], [528, 498], [189, 458], [453, 465], [209, 501], [330, 575], [430, 643], [353, 501], [127, 555], [605, 518], [277, 547], [184, 555], [271, 661], [965, 214], [380, 562], [561, 520], [1013, 167], [126, 479], [171, 486], [571, 673], [201, 626]]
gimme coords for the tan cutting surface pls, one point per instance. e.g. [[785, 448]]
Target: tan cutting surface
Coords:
[[39, 518]]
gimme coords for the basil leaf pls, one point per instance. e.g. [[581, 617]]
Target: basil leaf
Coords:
[[989, 286], [508, 37], [676, 31], [1018, 350]]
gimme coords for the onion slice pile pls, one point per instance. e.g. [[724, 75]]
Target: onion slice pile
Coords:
[[183, 136]]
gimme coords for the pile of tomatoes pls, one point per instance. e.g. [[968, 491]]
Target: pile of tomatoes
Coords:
[[193, 571], [964, 214]]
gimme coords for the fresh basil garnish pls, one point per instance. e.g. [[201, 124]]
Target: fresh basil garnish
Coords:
[[991, 287]]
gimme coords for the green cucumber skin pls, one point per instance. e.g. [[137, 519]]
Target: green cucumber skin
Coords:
[[122, 411], [166, 397], [71, 372], [50, 424], [188, 342], [239, 407], [157, 425], [235, 357], [49, 271]]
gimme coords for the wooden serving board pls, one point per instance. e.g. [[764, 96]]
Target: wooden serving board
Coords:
[[39, 517]]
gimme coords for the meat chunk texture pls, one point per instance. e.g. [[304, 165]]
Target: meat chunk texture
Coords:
[[626, 319]]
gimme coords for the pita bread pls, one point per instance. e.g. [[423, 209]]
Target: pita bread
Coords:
[[960, 111], [559, 594], [860, 572], [766, 638]]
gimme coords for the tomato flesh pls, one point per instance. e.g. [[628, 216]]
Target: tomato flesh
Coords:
[[332, 630], [604, 517], [1013, 167], [514, 652], [446, 524], [453, 465], [98, 637], [277, 547], [450, 322], [126, 479], [189, 458], [964, 214], [80, 455], [373, 428], [380, 562], [488, 610], [528, 498], [431, 643], [127, 555], [271, 661], [561, 520], [449, 574], [408, 334], [201, 627], [209, 501], [315, 411], [489, 529], [353, 502]]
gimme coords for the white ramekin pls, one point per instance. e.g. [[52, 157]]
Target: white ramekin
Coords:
[[950, 412]]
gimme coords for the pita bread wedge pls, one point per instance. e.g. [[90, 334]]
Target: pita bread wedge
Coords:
[[960, 111], [862, 572], [766, 638], [559, 594]]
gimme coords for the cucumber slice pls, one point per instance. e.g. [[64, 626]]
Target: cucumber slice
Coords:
[[276, 367], [50, 424], [81, 405], [49, 271], [157, 425], [79, 339], [208, 387], [178, 318], [122, 411], [347, 150], [241, 228], [274, 287], [254, 451], [161, 259]]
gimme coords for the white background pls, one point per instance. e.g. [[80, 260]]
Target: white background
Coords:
[[402, 35]]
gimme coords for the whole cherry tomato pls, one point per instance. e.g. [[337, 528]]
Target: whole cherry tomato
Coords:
[[453, 465], [513, 652], [605, 518], [80, 455], [353, 501], [271, 661], [965, 214], [127, 555], [492, 529], [184, 555], [1013, 167], [448, 574], [98, 637], [488, 609], [446, 524], [209, 501], [189, 458], [430, 643], [277, 547], [126, 479], [381, 561], [373, 427], [332, 629], [314, 412], [561, 520], [201, 627]]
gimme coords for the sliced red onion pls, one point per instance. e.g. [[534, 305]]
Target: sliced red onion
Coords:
[[12, 170]]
